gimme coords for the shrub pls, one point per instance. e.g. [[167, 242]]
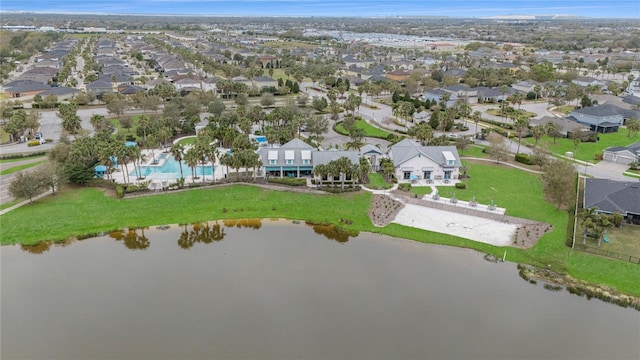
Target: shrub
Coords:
[[598, 156], [33, 143], [524, 158], [461, 185], [289, 181], [338, 190], [404, 187], [120, 191]]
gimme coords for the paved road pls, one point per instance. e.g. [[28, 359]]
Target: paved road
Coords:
[[5, 180]]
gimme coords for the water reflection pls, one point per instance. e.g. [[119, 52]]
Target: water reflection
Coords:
[[333, 232], [200, 232], [132, 240], [38, 248], [243, 223]]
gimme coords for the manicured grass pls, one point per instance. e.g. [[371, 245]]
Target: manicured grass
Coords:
[[6, 161], [14, 169], [9, 204], [520, 112], [289, 45], [421, 190], [474, 151], [586, 151], [4, 136], [369, 130], [187, 141], [565, 109], [377, 182], [89, 210]]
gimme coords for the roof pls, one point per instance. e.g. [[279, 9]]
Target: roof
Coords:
[[600, 110], [610, 196], [633, 148], [370, 149], [407, 149], [324, 157]]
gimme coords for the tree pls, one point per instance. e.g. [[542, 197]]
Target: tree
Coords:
[[192, 158], [26, 186], [267, 99], [633, 127], [177, 151], [553, 130], [558, 179], [51, 175], [117, 106], [216, 107], [497, 146], [422, 132], [319, 103], [539, 157], [476, 117], [462, 143], [520, 127], [317, 125], [537, 132]]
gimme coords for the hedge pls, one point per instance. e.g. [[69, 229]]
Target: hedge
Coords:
[[288, 181]]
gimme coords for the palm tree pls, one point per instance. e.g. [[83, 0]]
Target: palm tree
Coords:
[[321, 171], [212, 154], [521, 125], [177, 151], [476, 116], [191, 158]]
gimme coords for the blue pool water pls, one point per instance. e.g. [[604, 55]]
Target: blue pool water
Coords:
[[171, 166]]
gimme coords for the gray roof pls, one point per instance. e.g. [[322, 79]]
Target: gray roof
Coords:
[[60, 91], [324, 157], [407, 149], [297, 150], [370, 149], [600, 110], [633, 148], [610, 196]]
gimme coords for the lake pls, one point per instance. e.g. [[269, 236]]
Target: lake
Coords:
[[275, 289]]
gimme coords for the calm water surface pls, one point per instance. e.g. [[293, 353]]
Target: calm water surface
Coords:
[[286, 291]]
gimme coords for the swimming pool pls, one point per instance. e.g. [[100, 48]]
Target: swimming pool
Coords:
[[170, 167]]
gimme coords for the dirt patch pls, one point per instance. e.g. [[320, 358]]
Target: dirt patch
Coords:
[[528, 235], [384, 210]]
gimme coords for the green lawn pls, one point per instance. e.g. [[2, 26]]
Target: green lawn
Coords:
[[474, 151], [377, 182], [586, 151], [421, 190], [623, 240], [369, 130], [14, 169], [565, 109], [9, 204], [520, 112], [187, 140], [89, 211], [6, 161]]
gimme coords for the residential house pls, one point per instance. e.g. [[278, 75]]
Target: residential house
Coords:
[[463, 92], [613, 196], [422, 116], [567, 126], [269, 61], [413, 161], [585, 81], [526, 86], [26, 89], [491, 95], [600, 118], [622, 154], [437, 95], [100, 87], [187, 84], [264, 81], [210, 84], [242, 80]]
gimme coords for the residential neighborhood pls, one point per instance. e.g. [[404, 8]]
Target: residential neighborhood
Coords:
[[319, 187]]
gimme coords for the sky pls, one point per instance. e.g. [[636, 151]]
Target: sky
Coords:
[[345, 8]]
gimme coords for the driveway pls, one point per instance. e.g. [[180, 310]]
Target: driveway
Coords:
[[606, 170]]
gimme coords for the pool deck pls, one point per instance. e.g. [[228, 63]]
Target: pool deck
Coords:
[[158, 181]]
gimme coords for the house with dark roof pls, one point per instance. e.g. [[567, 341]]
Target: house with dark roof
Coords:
[[437, 94], [413, 161], [99, 87], [611, 196], [622, 154], [604, 118], [567, 126]]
